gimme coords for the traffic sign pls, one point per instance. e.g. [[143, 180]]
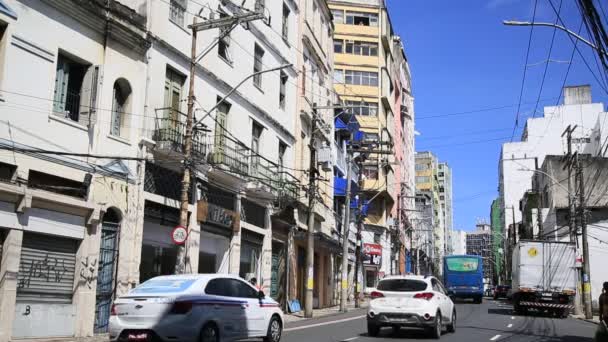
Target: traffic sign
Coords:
[[179, 235]]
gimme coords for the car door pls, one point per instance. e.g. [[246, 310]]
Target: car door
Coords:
[[442, 298], [227, 310], [255, 321]]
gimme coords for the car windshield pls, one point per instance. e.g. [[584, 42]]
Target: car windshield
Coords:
[[402, 285], [462, 264]]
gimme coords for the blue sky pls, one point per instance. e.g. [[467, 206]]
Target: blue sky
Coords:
[[464, 59]]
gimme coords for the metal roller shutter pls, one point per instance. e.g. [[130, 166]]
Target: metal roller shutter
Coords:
[[46, 269]]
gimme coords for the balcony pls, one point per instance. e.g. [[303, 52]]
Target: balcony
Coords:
[[229, 156], [386, 84], [170, 134], [340, 158]]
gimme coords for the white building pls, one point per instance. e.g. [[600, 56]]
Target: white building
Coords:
[[444, 180], [107, 83], [543, 136], [459, 242]]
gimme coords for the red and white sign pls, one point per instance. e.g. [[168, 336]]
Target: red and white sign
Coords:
[[372, 249], [179, 235]]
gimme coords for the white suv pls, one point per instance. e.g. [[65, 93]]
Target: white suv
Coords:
[[411, 301]]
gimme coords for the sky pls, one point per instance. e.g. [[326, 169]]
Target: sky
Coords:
[[467, 70]]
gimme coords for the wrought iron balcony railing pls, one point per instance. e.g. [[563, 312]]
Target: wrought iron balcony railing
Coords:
[[171, 133]]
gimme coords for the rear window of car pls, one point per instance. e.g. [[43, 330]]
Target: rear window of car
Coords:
[[164, 286], [402, 285]]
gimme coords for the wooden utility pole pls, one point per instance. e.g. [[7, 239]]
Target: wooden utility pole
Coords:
[[188, 162]]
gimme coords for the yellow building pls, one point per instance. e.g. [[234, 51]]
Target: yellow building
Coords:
[[363, 56]]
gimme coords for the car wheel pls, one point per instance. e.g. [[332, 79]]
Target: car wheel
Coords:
[[372, 329], [210, 333], [274, 330], [452, 325], [438, 327]]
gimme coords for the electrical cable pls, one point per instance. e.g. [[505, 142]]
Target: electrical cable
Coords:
[[523, 80]]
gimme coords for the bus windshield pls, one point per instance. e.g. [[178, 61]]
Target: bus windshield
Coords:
[[462, 264]]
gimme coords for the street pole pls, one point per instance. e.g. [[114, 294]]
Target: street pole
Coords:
[[180, 262], [578, 307], [358, 239], [345, 234], [310, 246], [586, 266]]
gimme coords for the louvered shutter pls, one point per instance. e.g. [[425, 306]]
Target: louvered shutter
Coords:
[[46, 269]]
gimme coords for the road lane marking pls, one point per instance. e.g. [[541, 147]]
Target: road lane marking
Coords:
[[324, 323], [350, 339], [512, 317], [495, 338], [510, 326]]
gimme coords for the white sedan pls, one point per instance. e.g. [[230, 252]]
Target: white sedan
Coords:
[[197, 307], [411, 301]]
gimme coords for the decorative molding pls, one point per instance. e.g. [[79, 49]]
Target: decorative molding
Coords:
[[33, 48]]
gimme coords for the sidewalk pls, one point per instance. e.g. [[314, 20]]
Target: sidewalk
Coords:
[[595, 319], [326, 312]]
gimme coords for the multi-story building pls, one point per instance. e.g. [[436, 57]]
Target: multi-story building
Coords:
[[423, 222], [94, 113], [479, 242], [363, 57], [428, 182], [444, 180], [459, 242], [315, 89]]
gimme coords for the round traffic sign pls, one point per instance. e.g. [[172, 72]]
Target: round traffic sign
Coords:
[[179, 235]]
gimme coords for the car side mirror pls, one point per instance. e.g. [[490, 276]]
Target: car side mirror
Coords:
[[261, 295]]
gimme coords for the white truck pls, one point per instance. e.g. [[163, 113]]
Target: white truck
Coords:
[[544, 277]]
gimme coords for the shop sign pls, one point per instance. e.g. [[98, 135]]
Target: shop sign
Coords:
[[372, 254], [211, 213]]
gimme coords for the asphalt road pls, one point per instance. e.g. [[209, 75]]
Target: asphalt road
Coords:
[[490, 321]]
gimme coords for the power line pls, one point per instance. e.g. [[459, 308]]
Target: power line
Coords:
[[425, 138], [542, 83], [473, 111], [466, 143], [523, 80]]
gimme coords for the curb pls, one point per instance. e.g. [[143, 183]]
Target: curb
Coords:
[[587, 320], [339, 313]]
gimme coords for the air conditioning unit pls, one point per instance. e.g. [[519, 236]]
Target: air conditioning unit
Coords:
[[326, 166]]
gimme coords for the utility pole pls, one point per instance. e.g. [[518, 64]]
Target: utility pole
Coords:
[[358, 238], [188, 163], [312, 193], [578, 309], [586, 266], [345, 234]]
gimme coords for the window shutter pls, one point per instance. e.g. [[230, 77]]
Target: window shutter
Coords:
[[61, 86], [88, 97]]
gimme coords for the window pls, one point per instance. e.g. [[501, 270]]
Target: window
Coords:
[[173, 94], [282, 150], [442, 197], [218, 287], [257, 65], [338, 16], [370, 171], [364, 78], [437, 286], [338, 76], [72, 83], [370, 137], [285, 32], [361, 48], [243, 290], [223, 46], [370, 278], [282, 89], [363, 108], [440, 174], [120, 101], [338, 46], [362, 19], [422, 179], [177, 10], [256, 134], [421, 167], [402, 285], [377, 236], [221, 124]]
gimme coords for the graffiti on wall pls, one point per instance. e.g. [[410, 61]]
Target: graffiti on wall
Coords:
[[87, 272], [50, 269]]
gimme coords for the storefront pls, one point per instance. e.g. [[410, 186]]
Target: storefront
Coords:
[[219, 221], [251, 255], [47, 268], [372, 260], [158, 252]]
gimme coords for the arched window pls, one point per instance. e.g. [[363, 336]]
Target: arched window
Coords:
[[121, 100]]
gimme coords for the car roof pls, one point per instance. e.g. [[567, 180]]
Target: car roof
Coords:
[[202, 276]]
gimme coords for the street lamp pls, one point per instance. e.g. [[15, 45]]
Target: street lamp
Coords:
[[575, 35]]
